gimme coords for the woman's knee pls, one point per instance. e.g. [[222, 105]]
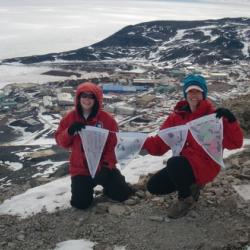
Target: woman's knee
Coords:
[[177, 164], [151, 186], [175, 161], [180, 171], [117, 188]]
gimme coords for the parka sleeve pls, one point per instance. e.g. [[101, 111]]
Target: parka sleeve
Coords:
[[232, 135], [154, 144], [63, 139], [108, 156]]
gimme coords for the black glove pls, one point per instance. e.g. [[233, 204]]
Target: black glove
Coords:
[[75, 127], [222, 112], [103, 176]]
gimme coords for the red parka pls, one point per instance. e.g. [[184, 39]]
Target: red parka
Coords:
[[102, 119], [204, 168]]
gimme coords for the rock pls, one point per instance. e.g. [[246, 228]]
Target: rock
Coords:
[[117, 210], [156, 218], [40, 197], [102, 247], [42, 180], [246, 164], [229, 204], [235, 162], [80, 222], [131, 202], [148, 195], [244, 239], [193, 214], [61, 171], [166, 219], [224, 182], [11, 245], [236, 181], [246, 170], [40, 243], [140, 194], [98, 192], [100, 228], [3, 243], [219, 192], [210, 202], [21, 237], [102, 208], [158, 200]]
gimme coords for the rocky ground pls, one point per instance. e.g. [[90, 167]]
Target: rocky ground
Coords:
[[220, 219]]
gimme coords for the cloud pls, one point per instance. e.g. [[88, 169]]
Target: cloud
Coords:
[[36, 27]]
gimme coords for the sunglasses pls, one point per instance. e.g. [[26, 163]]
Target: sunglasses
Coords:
[[87, 95]]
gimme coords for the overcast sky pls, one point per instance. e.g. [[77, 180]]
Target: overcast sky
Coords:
[[30, 27]]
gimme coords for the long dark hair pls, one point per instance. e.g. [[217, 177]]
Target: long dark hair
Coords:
[[94, 110]]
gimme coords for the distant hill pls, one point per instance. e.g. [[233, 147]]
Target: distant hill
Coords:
[[203, 42]]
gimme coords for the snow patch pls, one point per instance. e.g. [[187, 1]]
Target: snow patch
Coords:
[[75, 245], [49, 170], [50, 197], [14, 166], [243, 191], [81, 244]]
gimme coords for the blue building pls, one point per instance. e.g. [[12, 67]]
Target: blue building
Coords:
[[116, 88]]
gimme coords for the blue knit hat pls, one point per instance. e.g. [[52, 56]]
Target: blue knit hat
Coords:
[[195, 80]]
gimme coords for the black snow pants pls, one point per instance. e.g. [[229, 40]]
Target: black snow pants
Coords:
[[176, 176], [82, 189]]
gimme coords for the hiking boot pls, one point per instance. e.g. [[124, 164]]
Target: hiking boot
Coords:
[[195, 191], [181, 207]]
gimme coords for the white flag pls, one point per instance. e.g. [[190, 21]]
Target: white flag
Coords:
[[93, 141], [208, 132], [128, 146], [174, 137]]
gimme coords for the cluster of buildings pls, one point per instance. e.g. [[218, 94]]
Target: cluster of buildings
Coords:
[[139, 100]]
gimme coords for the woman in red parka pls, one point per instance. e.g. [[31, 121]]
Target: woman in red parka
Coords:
[[188, 172], [88, 111]]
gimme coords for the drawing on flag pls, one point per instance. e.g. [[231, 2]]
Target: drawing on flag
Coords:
[[128, 146], [93, 141], [208, 132], [174, 137]]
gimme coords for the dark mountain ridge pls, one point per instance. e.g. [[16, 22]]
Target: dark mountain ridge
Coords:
[[203, 42]]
